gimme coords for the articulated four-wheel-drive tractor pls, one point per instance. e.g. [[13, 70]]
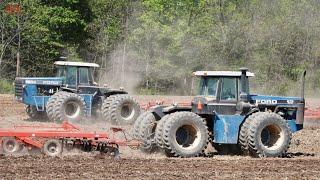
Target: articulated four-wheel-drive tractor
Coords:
[[73, 94], [226, 115]]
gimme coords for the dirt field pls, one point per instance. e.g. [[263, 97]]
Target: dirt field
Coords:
[[303, 161]]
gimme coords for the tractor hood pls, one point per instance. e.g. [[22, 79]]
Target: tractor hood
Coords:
[[57, 81], [262, 99]]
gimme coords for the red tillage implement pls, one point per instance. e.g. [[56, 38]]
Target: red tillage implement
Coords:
[[53, 139]]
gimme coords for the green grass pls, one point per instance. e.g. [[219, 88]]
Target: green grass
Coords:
[[5, 86]]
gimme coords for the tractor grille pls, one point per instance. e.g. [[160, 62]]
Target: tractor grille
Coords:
[[18, 89]]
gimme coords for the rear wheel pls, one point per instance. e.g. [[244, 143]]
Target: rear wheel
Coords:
[[69, 107], [269, 136], [52, 147], [120, 109], [185, 134], [159, 131], [147, 133], [137, 124]]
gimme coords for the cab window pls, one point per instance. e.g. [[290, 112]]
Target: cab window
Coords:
[[208, 87], [229, 89], [83, 76], [71, 76], [61, 73]]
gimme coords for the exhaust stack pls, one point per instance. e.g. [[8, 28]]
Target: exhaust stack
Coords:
[[303, 78]]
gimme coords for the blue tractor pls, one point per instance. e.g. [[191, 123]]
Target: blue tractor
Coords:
[[226, 115], [73, 95]]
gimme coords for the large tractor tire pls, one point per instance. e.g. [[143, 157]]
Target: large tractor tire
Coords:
[[120, 109], [185, 134], [69, 107], [269, 136], [147, 133], [51, 105], [159, 131], [137, 124], [33, 113], [243, 135]]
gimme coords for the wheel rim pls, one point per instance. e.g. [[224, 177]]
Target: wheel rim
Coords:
[[10, 145], [53, 148], [72, 109], [188, 136], [127, 111], [272, 137]]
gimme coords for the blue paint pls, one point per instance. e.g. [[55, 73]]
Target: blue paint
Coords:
[[279, 98], [28, 93], [226, 128], [56, 81], [294, 127]]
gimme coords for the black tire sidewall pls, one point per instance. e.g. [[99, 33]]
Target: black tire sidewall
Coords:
[[263, 122], [180, 119]]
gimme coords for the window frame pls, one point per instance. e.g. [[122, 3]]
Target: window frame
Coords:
[[236, 90]]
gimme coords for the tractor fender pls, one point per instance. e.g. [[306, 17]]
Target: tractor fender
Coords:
[[160, 111], [254, 110], [114, 92]]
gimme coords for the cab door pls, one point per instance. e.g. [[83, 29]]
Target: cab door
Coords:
[[228, 96]]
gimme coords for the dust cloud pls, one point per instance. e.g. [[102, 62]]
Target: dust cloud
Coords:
[[121, 70]]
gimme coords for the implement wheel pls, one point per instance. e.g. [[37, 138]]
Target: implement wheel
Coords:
[[11, 146], [52, 147]]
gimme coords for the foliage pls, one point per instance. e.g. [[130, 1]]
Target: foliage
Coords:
[[162, 42]]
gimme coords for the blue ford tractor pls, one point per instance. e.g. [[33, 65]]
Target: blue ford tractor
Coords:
[[73, 95], [226, 115]]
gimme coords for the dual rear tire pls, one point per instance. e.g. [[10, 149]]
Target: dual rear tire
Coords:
[[120, 109], [66, 106], [180, 134], [265, 134]]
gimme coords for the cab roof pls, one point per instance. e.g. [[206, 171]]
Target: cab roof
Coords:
[[222, 73], [81, 64]]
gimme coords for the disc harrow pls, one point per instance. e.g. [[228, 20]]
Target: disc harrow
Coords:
[[53, 140]]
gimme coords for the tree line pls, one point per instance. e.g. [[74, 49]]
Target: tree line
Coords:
[[153, 46]]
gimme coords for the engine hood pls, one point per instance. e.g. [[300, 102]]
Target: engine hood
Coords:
[[263, 99], [41, 80]]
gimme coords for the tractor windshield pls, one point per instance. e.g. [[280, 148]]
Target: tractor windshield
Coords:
[[208, 86]]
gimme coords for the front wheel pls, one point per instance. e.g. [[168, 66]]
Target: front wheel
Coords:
[[269, 136]]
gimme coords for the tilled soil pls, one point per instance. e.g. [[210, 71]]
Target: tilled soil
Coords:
[[92, 167], [303, 161]]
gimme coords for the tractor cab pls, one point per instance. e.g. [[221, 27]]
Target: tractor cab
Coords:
[[75, 74], [222, 89]]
